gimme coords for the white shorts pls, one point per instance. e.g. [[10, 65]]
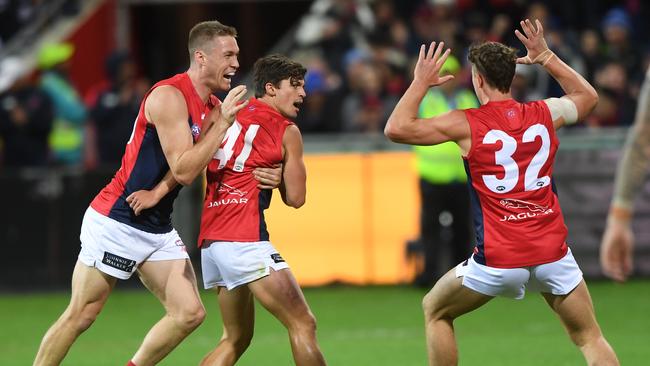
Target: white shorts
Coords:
[[558, 278], [118, 249], [231, 264]]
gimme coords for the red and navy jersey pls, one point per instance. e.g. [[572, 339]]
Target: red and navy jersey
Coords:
[[233, 209], [144, 164], [516, 211]]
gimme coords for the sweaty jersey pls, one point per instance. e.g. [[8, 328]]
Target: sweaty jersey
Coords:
[[516, 211], [233, 209], [144, 164]]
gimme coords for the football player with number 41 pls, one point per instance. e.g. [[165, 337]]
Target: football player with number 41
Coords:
[[237, 258], [508, 149]]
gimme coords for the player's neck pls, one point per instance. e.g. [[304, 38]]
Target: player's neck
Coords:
[[202, 90], [266, 99], [495, 96]]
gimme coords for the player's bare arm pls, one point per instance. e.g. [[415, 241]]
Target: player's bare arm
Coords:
[[578, 90], [404, 126], [166, 109], [618, 240], [293, 188]]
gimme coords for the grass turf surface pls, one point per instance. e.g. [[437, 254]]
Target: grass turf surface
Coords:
[[356, 326]]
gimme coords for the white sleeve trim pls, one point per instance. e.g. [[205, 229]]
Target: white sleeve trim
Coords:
[[562, 107]]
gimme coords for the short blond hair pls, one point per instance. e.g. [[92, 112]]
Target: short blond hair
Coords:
[[204, 32]]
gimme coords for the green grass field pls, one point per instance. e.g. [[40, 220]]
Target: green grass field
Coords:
[[357, 326]]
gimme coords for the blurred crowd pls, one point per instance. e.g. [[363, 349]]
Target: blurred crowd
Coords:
[[360, 56]]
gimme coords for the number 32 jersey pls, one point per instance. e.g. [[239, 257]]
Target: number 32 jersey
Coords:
[[233, 209], [515, 207]]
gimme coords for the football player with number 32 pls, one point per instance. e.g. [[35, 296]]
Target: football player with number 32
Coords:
[[508, 149]]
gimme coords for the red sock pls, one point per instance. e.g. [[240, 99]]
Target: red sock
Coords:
[[131, 364]]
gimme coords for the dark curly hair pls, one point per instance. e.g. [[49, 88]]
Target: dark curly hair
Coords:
[[496, 62], [273, 69]]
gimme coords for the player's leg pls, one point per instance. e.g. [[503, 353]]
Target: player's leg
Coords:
[[576, 312], [90, 290], [238, 316], [447, 300], [174, 283], [280, 294]]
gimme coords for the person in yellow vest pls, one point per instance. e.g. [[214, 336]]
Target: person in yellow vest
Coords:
[[445, 206], [66, 139]]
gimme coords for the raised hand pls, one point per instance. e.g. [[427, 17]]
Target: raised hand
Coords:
[[427, 69], [231, 105], [533, 40]]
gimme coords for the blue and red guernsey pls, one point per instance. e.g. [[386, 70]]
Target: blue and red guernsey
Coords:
[[233, 209], [144, 164], [516, 211]]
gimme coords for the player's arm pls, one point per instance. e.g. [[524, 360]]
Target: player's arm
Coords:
[[580, 98], [293, 187], [618, 240], [144, 199], [404, 126], [166, 109]]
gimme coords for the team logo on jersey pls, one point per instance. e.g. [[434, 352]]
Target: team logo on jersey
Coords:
[[529, 209], [513, 203], [196, 130], [229, 191], [224, 188]]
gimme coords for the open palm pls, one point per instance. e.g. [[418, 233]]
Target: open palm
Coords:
[[429, 64]]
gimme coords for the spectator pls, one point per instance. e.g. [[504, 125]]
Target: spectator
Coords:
[[321, 110], [117, 107], [613, 78], [25, 117], [618, 45], [67, 137], [590, 51], [335, 26], [367, 108]]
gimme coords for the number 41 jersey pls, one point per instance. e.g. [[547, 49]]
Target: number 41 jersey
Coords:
[[233, 209], [515, 207]]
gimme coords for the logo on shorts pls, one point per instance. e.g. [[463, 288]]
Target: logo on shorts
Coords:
[[277, 258], [115, 261], [224, 188], [530, 209], [179, 243]]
